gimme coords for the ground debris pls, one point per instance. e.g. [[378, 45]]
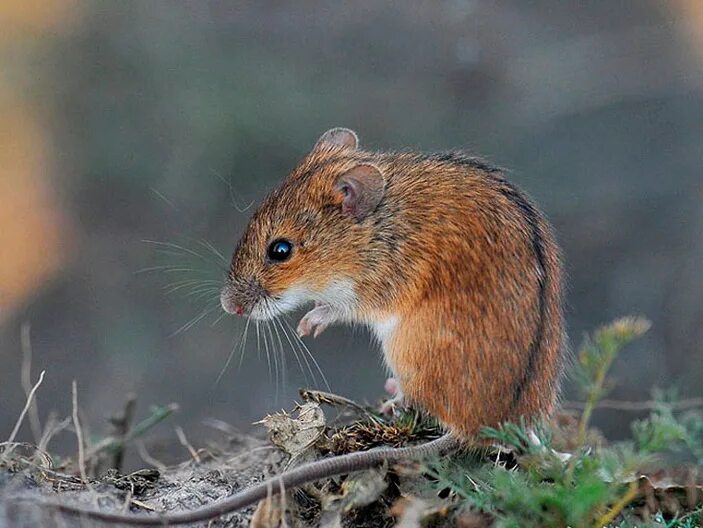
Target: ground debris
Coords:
[[296, 435], [227, 466], [186, 486]]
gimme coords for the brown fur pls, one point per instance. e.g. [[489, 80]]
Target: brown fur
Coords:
[[459, 254]]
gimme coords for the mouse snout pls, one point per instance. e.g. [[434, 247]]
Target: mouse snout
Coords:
[[240, 297], [230, 303]]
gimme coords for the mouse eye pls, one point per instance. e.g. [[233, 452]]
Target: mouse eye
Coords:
[[279, 250]]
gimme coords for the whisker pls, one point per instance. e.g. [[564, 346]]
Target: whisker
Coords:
[[232, 198], [228, 361], [207, 296], [295, 352], [258, 340], [235, 343], [212, 249], [173, 287], [303, 352], [244, 342], [268, 355], [282, 355], [194, 321], [317, 366], [162, 197], [221, 316], [173, 248], [169, 269], [204, 287], [275, 360]]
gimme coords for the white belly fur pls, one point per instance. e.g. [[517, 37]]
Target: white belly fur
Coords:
[[384, 331]]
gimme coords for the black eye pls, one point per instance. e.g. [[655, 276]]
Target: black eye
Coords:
[[279, 250]]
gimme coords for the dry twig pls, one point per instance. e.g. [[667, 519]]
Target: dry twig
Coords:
[[79, 435], [184, 442], [27, 405], [25, 377], [146, 457], [634, 406]]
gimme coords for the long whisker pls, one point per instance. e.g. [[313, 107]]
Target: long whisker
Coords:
[[207, 296], [190, 283], [295, 352], [258, 340], [268, 355], [231, 192], [175, 249], [282, 355], [303, 352], [244, 342], [169, 269], [219, 318], [203, 290], [162, 197], [235, 343], [202, 315], [317, 366], [212, 249], [275, 360]]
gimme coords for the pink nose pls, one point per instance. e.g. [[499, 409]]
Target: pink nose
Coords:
[[239, 309]]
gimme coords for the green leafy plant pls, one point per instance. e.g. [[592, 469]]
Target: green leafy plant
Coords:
[[595, 359], [590, 485]]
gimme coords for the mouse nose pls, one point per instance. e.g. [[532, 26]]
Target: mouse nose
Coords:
[[230, 304]]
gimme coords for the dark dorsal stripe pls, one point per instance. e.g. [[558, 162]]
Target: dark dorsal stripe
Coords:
[[456, 157], [532, 218]]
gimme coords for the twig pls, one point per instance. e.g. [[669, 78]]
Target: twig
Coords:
[[647, 405], [220, 425], [626, 499], [121, 423], [184, 442], [25, 376], [51, 428], [27, 404], [79, 434], [283, 506], [329, 398], [144, 505], [127, 501], [146, 457], [159, 414]]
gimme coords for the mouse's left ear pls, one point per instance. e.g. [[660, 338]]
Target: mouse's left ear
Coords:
[[338, 137], [362, 189]]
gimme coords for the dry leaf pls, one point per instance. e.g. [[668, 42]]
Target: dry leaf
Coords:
[[296, 435]]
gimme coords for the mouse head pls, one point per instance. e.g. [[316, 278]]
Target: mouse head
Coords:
[[309, 239]]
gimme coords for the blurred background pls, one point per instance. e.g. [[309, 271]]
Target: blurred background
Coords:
[[136, 135]]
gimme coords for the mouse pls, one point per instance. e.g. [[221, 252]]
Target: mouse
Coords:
[[452, 267]]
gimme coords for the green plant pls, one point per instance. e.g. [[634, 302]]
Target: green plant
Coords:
[[588, 486], [595, 358]]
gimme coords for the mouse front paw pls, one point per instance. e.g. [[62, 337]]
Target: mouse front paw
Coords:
[[316, 320], [392, 406], [397, 401]]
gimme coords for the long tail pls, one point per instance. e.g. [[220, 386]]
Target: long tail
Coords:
[[310, 472]]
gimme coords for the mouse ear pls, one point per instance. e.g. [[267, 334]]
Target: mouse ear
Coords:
[[339, 137], [362, 189]]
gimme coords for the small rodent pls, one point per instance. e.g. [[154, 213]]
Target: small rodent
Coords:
[[450, 265]]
